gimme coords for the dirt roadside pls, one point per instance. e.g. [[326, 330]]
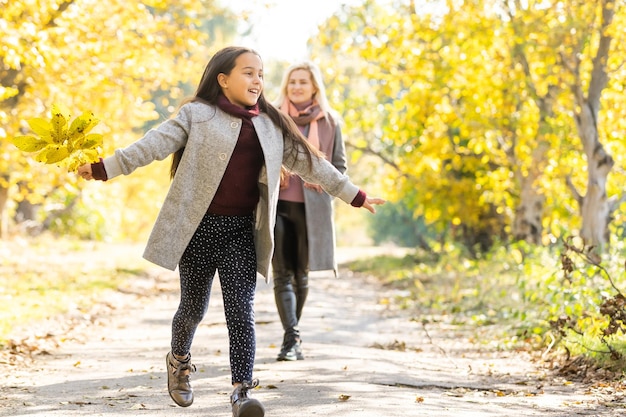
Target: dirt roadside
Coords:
[[362, 359]]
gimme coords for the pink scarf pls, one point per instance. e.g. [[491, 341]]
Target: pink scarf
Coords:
[[309, 116]]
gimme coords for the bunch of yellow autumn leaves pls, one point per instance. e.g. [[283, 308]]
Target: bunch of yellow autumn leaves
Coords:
[[57, 141]]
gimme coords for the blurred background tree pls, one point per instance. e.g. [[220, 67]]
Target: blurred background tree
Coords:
[[481, 121], [110, 58], [483, 116]]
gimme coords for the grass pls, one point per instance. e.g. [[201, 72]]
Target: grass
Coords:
[[44, 277], [511, 298]]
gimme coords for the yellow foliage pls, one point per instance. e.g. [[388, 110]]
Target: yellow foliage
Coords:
[[59, 142], [110, 57], [475, 102]]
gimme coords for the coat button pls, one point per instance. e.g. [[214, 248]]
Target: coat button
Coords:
[[234, 125], [222, 156]]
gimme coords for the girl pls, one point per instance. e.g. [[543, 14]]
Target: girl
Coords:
[[229, 144], [304, 232]]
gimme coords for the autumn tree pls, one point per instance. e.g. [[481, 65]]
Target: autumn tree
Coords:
[[470, 104], [535, 80], [426, 110], [590, 65], [103, 57], [564, 74]]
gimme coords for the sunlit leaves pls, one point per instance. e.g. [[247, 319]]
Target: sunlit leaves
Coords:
[[56, 141], [108, 57], [433, 105], [7, 92], [472, 100]]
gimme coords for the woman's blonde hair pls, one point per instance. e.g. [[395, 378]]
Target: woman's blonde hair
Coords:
[[318, 83]]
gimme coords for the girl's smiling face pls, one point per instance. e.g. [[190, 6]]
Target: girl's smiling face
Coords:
[[244, 84], [300, 88]]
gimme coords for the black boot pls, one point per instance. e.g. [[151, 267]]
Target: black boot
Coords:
[[291, 349], [286, 305], [302, 291]]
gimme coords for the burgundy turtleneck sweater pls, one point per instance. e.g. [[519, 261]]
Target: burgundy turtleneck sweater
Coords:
[[238, 192]]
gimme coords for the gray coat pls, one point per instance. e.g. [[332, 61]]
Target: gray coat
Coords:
[[319, 210], [209, 136]]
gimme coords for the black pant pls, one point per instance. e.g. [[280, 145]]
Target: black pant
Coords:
[[290, 263]]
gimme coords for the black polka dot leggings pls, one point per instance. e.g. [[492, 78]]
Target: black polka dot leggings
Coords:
[[224, 244]]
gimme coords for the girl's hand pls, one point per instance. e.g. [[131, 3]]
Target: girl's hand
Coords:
[[371, 201], [85, 171]]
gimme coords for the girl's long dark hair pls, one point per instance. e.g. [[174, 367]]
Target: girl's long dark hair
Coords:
[[209, 90]]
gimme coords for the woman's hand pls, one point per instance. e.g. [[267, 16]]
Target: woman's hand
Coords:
[[85, 171], [371, 201], [314, 187]]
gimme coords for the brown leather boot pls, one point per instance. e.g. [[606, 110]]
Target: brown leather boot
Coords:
[[243, 405], [178, 380]]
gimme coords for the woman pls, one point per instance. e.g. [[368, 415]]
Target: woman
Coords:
[[304, 232]]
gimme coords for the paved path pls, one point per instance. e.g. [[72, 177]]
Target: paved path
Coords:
[[112, 363]]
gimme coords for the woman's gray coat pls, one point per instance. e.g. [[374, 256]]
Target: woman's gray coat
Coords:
[[318, 207], [209, 136]]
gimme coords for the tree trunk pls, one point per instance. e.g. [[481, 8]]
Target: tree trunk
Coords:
[[595, 207], [527, 224], [25, 210]]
